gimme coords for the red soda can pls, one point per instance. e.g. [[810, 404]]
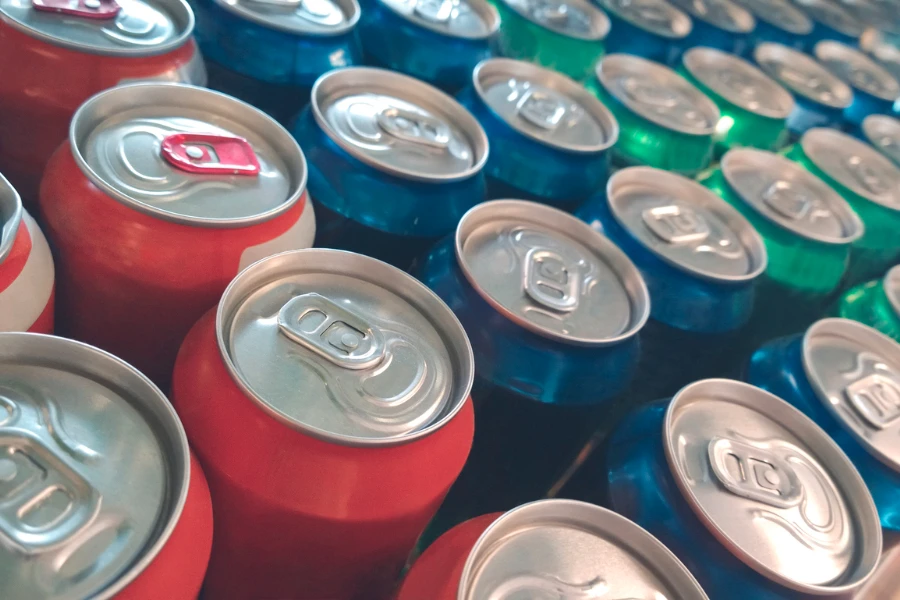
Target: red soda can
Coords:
[[549, 549], [55, 54], [328, 400], [162, 194], [99, 495], [26, 268]]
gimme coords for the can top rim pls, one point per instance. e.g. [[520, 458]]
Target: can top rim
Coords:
[[880, 128], [763, 162], [492, 69], [11, 212], [832, 54], [110, 371], [892, 287], [832, 14], [107, 104], [350, 8], [798, 23], [841, 96], [859, 501], [599, 20], [679, 23], [484, 9], [740, 19], [579, 518]]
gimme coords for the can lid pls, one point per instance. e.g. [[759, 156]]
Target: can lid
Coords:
[[802, 75], [879, 14], [739, 82], [891, 286], [106, 27], [855, 371], [344, 348], [656, 16], [724, 14], [569, 549], [857, 69], [469, 19], [399, 125], [572, 18], [73, 419], [788, 195], [772, 487], [545, 105], [10, 217], [781, 14], [187, 154], [833, 15], [300, 17], [550, 273], [854, 164], [658, 94], [686, 225], [883, 132]]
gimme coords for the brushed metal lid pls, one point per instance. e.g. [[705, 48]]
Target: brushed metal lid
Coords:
[[319, 18], [802, 75], [857, 70]]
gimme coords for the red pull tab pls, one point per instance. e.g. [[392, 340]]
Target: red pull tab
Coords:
[[210, 154], [89, 9]]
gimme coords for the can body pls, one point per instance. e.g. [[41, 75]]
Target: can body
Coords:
[[628, 38], [808, 114], [27, 287], [868, 303], [769, 32], [326, 521]]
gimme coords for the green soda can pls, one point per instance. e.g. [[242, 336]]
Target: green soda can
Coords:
[[565, 35], [883, 132], [876, 304], [870, 182], [753, 107], [664, 120]]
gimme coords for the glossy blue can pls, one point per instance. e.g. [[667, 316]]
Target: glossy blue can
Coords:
[[778, 21], [846, 377], [831, 21], [653, 29], [721, 24]]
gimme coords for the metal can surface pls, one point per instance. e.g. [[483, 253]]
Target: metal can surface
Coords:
[[161, 195], [883, 132], [753, 497], [870, 183], [845, 376], [753, 107], [820, 98], [652, 29], [875, 303], [549, 137], [664, 120], [27, 285], [721, 24], [56, 54], [101, 496], [594, 551], [327, 398], [437, 41], [270, 53], [393, 162], [778, 21], [831, 21], [884, 48]]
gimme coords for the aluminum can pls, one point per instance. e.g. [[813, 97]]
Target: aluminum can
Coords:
[[56, 54], [820, 98], [437, 41], [553, 310], [870, 183], [874, 89], [883, 132], [753, 107], [270, 53], [831, 21], [652, 29], [778, 21], [595, 552], [664, 120], [161, 195], [351, 380], [393, 162], [845, 376], [101, 496], [27, 285], [875, 303], [884, 48], [549, 137], [720, 24], [886, 581], [753, 497]]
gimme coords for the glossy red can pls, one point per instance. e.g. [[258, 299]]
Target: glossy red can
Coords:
[[327, 398], [53, 62], [145, 245]]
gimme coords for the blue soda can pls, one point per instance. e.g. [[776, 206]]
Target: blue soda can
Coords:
[[831, 21], [393, 162], [845, 376], [874, 89], [884, 48], [552, 309], [820, 98], [883, 132], [549, 136], [437, 41], [721, 24], [700, 259], [269, 53], [652, 29], [778, 21], [756, 500]]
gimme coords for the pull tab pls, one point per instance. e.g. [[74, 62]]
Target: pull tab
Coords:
[[675, 224], [414, 127], [436, 11], [788, 201], [88, 9], [876, 399], [738, 82], [806, 80], [210, 154], [550, 11], [331, 331], [550, 281], [662, 100], [542, 108], [866, 176], [754, 473]]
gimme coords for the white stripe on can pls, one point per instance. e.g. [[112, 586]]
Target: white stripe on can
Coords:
[[26, 298]]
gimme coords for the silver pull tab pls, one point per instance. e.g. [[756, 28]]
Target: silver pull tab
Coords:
[[663, 101], [436, 11], [675, 224], [541, 108], [550, 11], [550, 281], [819, 87], [788, 201], [738, 82], [331, 331], [876, 399], [754, 473], [414, 127], [866, 176]]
